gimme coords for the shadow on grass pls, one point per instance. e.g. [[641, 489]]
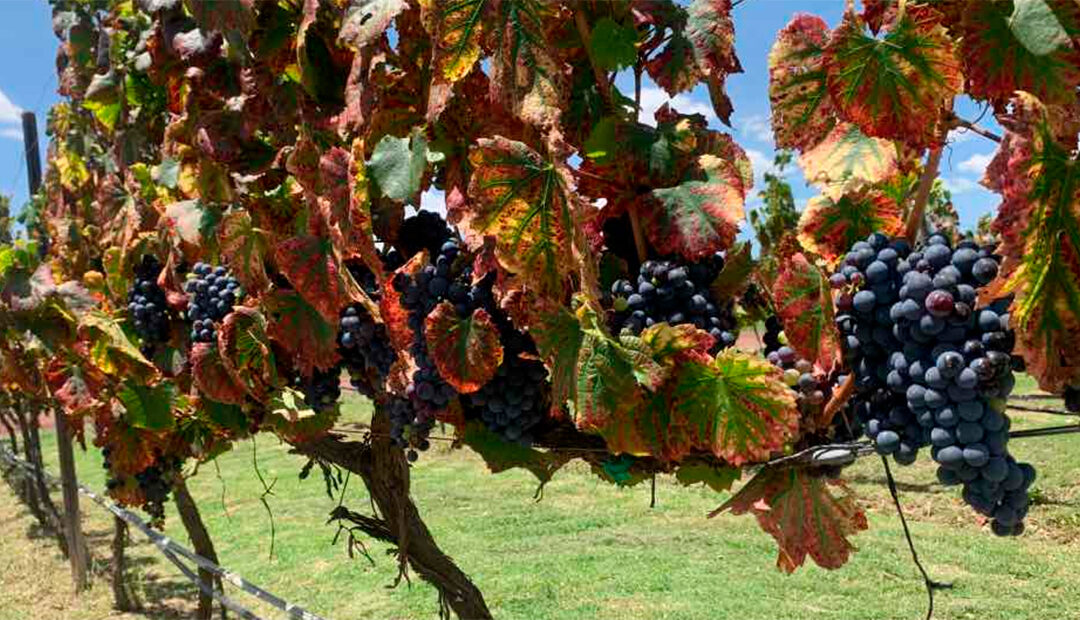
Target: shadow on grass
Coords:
[[926, 487]]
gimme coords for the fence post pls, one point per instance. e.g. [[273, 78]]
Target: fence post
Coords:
[[77, 551]]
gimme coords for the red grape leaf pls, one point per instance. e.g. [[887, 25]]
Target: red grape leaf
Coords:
[[357, 227], [802, 513], [847, 160], [802, 113], [895, 86], [712, 33], [997, 63], [466, 350], [698, 218], [736, 406], [804, 305], [522, 200], [212, 378], [302, 332], [1039, 179], [314, 268], [246, 352], [660, 348], [393, 314], [829, 227], [244, 246], [674, 68], [77, 387]]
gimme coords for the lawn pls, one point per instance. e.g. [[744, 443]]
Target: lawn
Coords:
[[586, 550]]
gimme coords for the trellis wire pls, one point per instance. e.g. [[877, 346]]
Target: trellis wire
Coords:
[[171, 550]]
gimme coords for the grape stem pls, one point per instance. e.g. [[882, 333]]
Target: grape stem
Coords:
[[926, 183], [972, 127], [601, 78]]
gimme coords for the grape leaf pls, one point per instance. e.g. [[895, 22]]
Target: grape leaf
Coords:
[[674, 68], [302, 332], [802, 112], [292, 419], [188, 220], [77, 387], [612, 45], [895, 86], [243, 246], [212, 378], [736, 406], [315, 270], [393, 314], [111, 350], [1039, 179], [558, 336], [698, 218], [719, 479], [1001, 56], [458, 29], [802, 513], [710, 29], [829, 227], [847, 160], [466, 350], [397, 165], [522, 200], [500, 455], [804, 304], [735, 276], [148, 407], [525, 75], [246, 352], [605, 390], [357, 225], [366, 20]]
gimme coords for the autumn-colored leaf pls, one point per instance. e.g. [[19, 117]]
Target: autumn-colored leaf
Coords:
[[244, 246], [212, 378], [804, 305], [847, 160], [736, 406], [829, 227], [802, 112], [558, 336], [896, 86], [246, 354], [806, 515], [735, 276], [111, 350], [302, 332], [315, 269], [365, 20], [77, 387], [189, 220], [466, 350], [698, 218], [458, 29], [711, 31], [392, 312], [522, 200], [997, 63], [525, 74]]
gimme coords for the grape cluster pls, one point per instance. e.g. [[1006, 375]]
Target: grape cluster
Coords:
[[666, 291], [426, 230], [147, 306], [813, 391], [322, 389], [154, 482], [406, 428], [213, 293], [932, 367], [363, 344], [515, 402], [773, 330]]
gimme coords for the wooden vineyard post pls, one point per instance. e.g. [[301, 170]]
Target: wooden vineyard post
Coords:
[[77, 551]]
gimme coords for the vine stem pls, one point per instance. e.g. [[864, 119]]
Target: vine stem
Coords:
[[601, 79], [973, 128], [926, 183]]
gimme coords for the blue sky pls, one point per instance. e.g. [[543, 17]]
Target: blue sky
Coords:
[[28, 81]]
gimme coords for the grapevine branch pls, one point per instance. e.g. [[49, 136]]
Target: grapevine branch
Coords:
[[973, 128]]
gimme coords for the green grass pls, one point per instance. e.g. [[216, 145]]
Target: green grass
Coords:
[[591, 550]]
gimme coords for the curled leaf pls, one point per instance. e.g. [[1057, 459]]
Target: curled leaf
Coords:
[[466, 350]]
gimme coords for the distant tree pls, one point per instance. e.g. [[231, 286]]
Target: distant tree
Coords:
[[5, 219], [778, 215], [983, 232]]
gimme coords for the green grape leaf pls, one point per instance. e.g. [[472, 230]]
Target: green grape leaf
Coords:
[[719, 479], [606, 390], [315, 270], [466, 350], [246, 352], [500, 455], [189, 220], [148, 407], [397, 165], [228, 417], [735, 276], [612, 45], [847, 160], [829, 227], [1021, 45], [896, 86], [558, 336], [698, 218], [366, 20], [804, 304], [523, 201], [806, 515], [736, 406], [243, 246], [292, 419], [1039, 223], [302, 332], [711, 31], [212, 378], [802, 112]]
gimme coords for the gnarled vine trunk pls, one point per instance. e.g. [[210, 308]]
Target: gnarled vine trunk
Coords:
[[385, 471], [200, 539], [123, 597]]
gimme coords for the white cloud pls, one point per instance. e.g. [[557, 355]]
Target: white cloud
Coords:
[[14, 133], [433, 200], [757, 127], [976, 164], [959, 135], [9, 112], [652, 98], [761, 163], [960, 185]]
